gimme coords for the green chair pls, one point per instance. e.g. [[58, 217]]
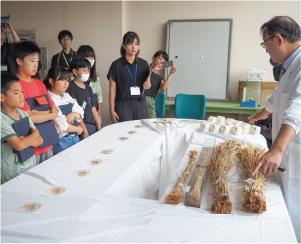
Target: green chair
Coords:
[[160, 104], [190, 106]]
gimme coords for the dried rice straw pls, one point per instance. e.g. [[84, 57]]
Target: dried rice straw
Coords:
[[221, 162], [254, 195], [176, 196], [194, 197]]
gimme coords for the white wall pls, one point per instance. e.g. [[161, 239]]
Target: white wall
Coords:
[[247, 18], [102, 24]]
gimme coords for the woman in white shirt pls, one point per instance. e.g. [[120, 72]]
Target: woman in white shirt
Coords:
[[70, 114]]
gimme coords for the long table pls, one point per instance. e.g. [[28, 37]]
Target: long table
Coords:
[[123, 199], [221, 107]]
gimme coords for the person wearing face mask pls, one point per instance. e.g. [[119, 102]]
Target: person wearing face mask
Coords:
[[82, 92], [88, 53]]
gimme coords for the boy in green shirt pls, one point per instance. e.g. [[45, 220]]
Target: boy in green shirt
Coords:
[[11, 100]]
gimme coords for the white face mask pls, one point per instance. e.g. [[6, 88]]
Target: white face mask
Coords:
[[92, 62], [84, 78]]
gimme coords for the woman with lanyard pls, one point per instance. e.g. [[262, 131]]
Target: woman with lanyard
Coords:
[[128, 79], [64, 58]]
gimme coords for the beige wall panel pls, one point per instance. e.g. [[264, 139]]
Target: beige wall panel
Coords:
[[149, 19]]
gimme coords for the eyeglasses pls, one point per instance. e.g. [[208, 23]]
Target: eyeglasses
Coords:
[[66, 39], [263, 43]]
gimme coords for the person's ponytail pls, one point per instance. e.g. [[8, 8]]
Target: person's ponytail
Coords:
[[47, 83], [122, 51]]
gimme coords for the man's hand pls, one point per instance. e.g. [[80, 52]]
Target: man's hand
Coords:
[[173, 69], [114, 117], [80, 130], [255, 118], [269, 162], [70, 117], [147, 84], [262, 115]]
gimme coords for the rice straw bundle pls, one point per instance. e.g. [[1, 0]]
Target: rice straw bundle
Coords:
[[221, 163], [194, 197], [176, 196], [254, 194]]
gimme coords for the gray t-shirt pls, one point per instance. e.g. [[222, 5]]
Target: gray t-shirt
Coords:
[[11, 165]]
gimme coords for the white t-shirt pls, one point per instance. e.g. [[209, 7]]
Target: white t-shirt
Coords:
[[60, 121]]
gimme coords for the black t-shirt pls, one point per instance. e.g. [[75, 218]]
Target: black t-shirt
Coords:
[[62, 61], [120, 74], [82, 95], [5, 52], [156, 82]]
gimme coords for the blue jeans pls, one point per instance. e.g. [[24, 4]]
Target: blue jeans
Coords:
[[65, 142]]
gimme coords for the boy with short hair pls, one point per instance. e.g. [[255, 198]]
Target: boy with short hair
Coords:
[[82, 92], [11, 101], [64, 58], [26, 55]]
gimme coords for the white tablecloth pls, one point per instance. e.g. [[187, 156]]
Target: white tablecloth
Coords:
[[123, 200]]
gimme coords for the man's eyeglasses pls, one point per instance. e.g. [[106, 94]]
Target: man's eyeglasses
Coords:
[[263, 43], [66, 39]]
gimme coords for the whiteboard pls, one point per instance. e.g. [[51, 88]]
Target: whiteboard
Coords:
[[201, 51]]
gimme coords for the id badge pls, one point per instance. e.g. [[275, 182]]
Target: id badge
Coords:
[[84, 104], [135, 90], [3, 67]]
